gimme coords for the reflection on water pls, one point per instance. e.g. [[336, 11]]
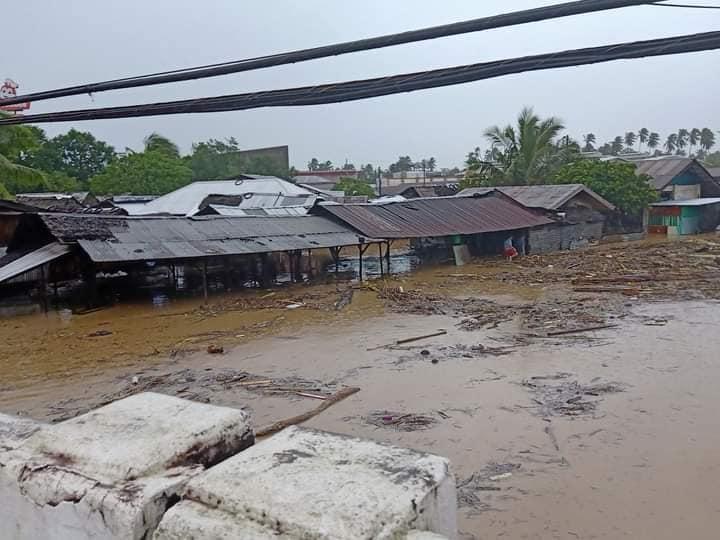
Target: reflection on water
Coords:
[[401, 263]]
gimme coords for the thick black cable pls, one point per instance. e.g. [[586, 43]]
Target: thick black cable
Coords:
[[214, 70], [362, 89], [692, 6]]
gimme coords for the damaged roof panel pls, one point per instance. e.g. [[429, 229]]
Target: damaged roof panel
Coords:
[[113, 239]]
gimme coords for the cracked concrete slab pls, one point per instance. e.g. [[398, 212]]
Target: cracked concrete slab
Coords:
[[113, 472], [314, 485]]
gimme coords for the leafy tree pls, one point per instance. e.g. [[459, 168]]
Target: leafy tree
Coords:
[[15, 143], [683, 139], [325, 166], [643, 136], [403, 164], [617, 145], [480, 172], [526, 152], [348, 167], [4, 193], [712, 160], [143, 173], [353, 187], [61, 182], [694, 139], [75, 153], [653, 140], [630, 138], [616, 181], [707, 139], [431, 164], [367, 173], [157, 143], [589, 139], [313, 164], [671, 143]]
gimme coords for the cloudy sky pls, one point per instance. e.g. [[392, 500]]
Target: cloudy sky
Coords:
[[53, 44]]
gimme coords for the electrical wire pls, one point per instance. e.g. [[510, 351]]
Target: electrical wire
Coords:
[[213, 70], [368, 88], [692, 6]]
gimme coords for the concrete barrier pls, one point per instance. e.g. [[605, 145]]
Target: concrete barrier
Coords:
[[307, 484], [154, 466], [113, 472]]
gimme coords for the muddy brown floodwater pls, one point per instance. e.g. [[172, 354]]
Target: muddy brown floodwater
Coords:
[[612, 433]]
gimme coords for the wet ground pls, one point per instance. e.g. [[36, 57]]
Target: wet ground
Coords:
[[553, 432]]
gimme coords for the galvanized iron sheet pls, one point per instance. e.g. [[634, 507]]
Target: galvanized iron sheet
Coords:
[[441, 216]]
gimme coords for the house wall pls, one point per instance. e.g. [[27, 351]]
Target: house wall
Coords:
[[563, 236]]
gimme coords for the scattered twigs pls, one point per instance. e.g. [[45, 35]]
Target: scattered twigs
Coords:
[[409, 340], [579, 330]]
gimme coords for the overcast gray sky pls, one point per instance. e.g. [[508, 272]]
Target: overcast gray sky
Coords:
[[47, 44]]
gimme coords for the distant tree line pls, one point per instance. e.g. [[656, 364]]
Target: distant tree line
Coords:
[[693, 142], [76, 161]]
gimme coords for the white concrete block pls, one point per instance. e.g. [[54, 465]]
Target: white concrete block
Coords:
[[113, 472], [14, 430], [307, 484]]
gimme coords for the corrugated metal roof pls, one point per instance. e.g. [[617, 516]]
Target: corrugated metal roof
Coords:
[[234, 211], [186, 201], [440, 216], [663, 170], [122, 239], [32, 260], [546, 196], [690, 202], [714, 172]]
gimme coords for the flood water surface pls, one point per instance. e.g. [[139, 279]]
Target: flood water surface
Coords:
[[605, 434]]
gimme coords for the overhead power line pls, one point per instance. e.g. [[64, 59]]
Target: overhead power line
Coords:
[[692, 6], [214, 70], [362, 89]]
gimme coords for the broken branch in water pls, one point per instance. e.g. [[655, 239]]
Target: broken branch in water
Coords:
[[578, 330], [299, 419], [410, 340]]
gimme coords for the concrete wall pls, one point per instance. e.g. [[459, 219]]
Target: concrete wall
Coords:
[[558, 236], [154, 466]]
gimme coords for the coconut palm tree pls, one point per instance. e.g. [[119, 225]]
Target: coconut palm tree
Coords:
[[589, 139], [653, 140], [630, 139], [157, 143], [683, 138], [694, 139], [617, 145], [643, 136], [671, 143], [526, 151], [707, 139]]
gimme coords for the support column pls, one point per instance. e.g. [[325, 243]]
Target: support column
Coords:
[[335, 254], [90, 278], [362, 248], [43, 287], [205, 280], [380, 259], [387, 255]]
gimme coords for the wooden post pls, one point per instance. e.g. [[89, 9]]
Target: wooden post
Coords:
[[360, 252], [309, 264], [387, 255], [90, 278], [205, 280], [335, 254], [43, 290], [380, 259]]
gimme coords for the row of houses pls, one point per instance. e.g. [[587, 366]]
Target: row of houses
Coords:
[[250, 228]]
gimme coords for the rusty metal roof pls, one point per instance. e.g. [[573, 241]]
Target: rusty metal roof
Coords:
[[439, 216], [32, 260], [124, 239], [546, 196]]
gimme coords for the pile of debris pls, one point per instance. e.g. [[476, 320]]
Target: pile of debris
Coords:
[[400, 421], [199, 385], [686, 268], [469, 489], [567, 398]]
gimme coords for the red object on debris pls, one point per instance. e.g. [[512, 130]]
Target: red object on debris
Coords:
[[510, 252]]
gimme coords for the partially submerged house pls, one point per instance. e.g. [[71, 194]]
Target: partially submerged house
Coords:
[[681, 217], [579, 213], [67, 246], [444, 226], [244, 192]]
